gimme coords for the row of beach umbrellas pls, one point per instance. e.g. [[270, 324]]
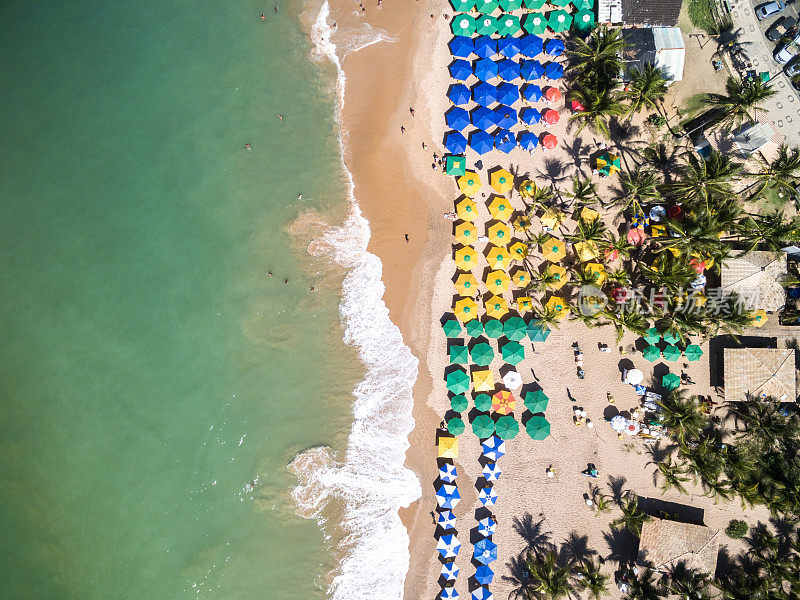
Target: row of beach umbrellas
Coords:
[[489, 6], [506, 69], [536, 331], [484, 46], [505, 427], [503, 117], [535, 401], [485, 94], [558, 21], [502, 139]]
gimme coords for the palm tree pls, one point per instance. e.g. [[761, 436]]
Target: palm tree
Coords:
[[764, 422], [637, 187], [661, 157], [598, 58], [782, 173], [681, 416], [588, 231], [673, 474], [600, 106], [772, 231], [631, 320], [701, 180], [589, 578], [543, 283], [538, 199], [547, 316], [644, 587], [646, 87], [688, 583], [742, 99], [550, 580], [583, 191], [632, 516], [601, 502]]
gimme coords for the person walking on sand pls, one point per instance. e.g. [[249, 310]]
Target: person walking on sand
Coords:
[[402, 129], [406, 236], [411, 110]]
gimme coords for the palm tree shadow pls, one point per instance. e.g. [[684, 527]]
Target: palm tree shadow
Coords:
[[518, 577], [622, 544], [532, 533], [616, 484], [626, 138], [576, 548], [579, 153], [659, 452], [553, 171]]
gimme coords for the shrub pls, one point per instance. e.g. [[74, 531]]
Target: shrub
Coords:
[[737, 529], [656, 120]]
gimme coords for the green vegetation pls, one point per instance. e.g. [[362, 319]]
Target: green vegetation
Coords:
[[701, 16], [737, 529]]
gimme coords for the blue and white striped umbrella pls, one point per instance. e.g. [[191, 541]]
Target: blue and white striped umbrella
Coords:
[[494, 448], [482, 593], [448, 546], [487, 496], [447, 473], [491, 472], [484, 575], [485, 551], [450, 571], [449, 593], [486, 526], [447, 496], [446, 520]]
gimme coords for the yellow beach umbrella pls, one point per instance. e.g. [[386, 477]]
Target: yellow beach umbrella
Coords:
[[527, 188], [558, 305], [674, 251], [521, 277], [448, 447], [586, 250], [553, 249], [466, 258], [552, 218], [502, 181], [759, 318], [482, 380], [611, 162], [657, 230], [498, 258], [524, 304], [500, 208], [496, 307], [518, 250], [466, 233], [522, 223], [466, 284], [559, 273], [589, 214], [499, 234], [594, 267], [698, 298], [497, 282], [466, 310], [469, 184], [467, 210]]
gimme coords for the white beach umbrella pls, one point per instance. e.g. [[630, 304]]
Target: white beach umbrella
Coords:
[[632, 427], [448, 546], [512, 380], [491, 472], [449, 571], [447, 473], [618, 423], [633, 376], [487, 496]]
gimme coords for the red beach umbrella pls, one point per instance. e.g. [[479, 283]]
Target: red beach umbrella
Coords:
[[698, 265], [549, 141], [619, 295], [551, 116], [611, 254], [674, 212], [636, 236], [552, 94], [577, 106]]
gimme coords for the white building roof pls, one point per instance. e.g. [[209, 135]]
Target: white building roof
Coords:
[[609, 11], [670, 51]]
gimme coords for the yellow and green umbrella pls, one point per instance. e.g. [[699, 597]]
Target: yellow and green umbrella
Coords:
[[466, 233], [608, 164], [500, 208], [498, 258], [759, 318], [559, 275], [586, 250], [552, 218], [597, 270], [493, 328], [482, 381], [457, 381], [557, 305], [466, 210], [496, 307], [466, 284], [513, 352], [466, 258], [553, 249], [497, 282], [459, 403], [466, 310], [527, 188], [499, 234], [502, 181], [514, 328], [448, 447], [506, 428], [469, 184], [455, 165], [524, 304], [521, 277], [483, 426], [482, 354], [518, 250], [483, 402], [522, 223]]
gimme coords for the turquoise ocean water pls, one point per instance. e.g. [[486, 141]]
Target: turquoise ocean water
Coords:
[[149, 368]]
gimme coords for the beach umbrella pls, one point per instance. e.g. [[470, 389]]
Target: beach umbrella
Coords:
[[457, 381], [459, 403], [500, 208], [485, 551], [496, 307], [446, 519], [483, 402], [504, 140], [498, 257], [558, 275], [505, 117], [512, 380], [553, 249], [552, 218], [507, 427], [554, 71], [693, 352], [483, 574], [509, 5], [553, 94], [596, 270], [449, 593], [493, 328], [455, 426], [508, 25], [483, 426], [527, 141], [447, 496], [497, 282], [508, 93], [530, 70], [483, 118], [481, 142], [588, 214], [486, 6], [550, 116], [618, 423], [482, 354], [455, 142], [508, 46], [513, 353], [459, 355], [452, 328], [487, 496], [485, 46], [459, 93], [759, 318], [554, 47], [491, 472], [530, 116], [672, 353], [633, 376], [537, 331], [482, 380], [484, 94], [482, 593], [485, 25], [671, 336], [455, 165], [536, 401], [503, 402], [447, 473], [466, 310], [535, 4], [608, 164], [474, 328], [538, 428], [450, 570], [487, 525], [466, 233], [670, 381], [532, 92], [583, 4], [461, 47], [530, 46], [448, 546], [558, 20], [549, 141], [485, 69], [457, 118], [520, 277], [524, 303], [652, 336], [514, 328], [494, 448], [502, 181], [463, 25], [584, 20], [460, 69], [469, 184], [557, 305], [466, 209], [462, 5], [535, 23], [448, 447], [651, 353]]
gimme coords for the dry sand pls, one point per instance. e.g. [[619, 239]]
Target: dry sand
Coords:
[[399, 193]]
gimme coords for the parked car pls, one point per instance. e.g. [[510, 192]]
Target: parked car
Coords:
[[769, 9], [793, 68], [779, 28], [785, 52]]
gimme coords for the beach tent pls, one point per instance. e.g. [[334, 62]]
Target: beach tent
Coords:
[[558, 20], [651, 353], [508, 93], [485, 551], [534, 4], [483, 426], [554, 47], [508, 25], [487, 496], [455, 142], [449, 593], [503, 402], [506, 427], [455, 426], [670, 381], [461, 47], [452, 328], [508, 46], [474, 328], [537, 331], [482, 381], [509, 5], [535, 23], [652, 336], [485, 25], [466, 284], [514, 329], [457, 381], [450, 570], [531, 70], [500, 208], [550, 116], [538, 428], [494, 448], [505, 117], [496, 307], [483, 402], [448, 546], [483, 118], [455, 165], [530, 116], [469, 184], [553, 249], [486, 6], [530, 46], [513, 353], [462, 5], [554, 71], [549, 141], [497, 282], [482, 354], [460, 69], [485, 69], [504, 140], [693, 352], [483, 574], [457, 118], [459, 403], [463, 25], [491, 472], [481, 142], [484, 94], [671, 353], [536, 401], [448, 473], [485, 46], [532, 92], [448, 448], [466, 209], [502, 181], [446, 520], [498, 258], [466, 310], [553, 94], [584, 20], [507, 70], [458, 93], [493, 328], [527, 141], [459, 355], [558, 306]]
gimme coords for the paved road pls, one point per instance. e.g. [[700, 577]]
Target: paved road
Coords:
[[783, 108]]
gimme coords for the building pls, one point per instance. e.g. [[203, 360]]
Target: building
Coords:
[[664, 543], [661, 46], [757, 278], [759, 372], [644, 13]]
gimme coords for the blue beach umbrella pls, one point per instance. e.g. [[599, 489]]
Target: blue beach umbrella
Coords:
[[487, 496], [554, 71], [447, 495], [504, 141], [449, 593], [505, 117], [491, 472], [484, 94], [461, 47], [554, 47], [483, 118], [485, 551], [446, 520], [448, 546], [484, 575], [532, 92], [459, 94], [507, 93], [493, 448], [485, 69], [485, 46], [447, 473], [455, 142], [527, 141], [457, 118], [450, 571], [482, 593], [460, 70], [508, 70], [531, 70], [508, 46], [530, 46], [481, 142], [486, 526], [530, 116]]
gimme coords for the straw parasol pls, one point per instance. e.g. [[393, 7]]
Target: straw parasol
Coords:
[[759, 372]]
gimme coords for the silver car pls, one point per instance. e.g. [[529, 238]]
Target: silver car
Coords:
[[769, 9], [785, 52]]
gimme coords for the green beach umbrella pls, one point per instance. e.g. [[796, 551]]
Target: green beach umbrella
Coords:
[[485, 25], [459, 355], [493, 328], [651, 336], [559, 20], [584, 20], [455, 426], [463, 25], [452, 328], [670, 381], [506, 427], [474, 328], [584, 4], [455, 165], [537, 331], [462, 5], [459, 403], [486, 6], [651, 353], [535, 23], [457, 381], [671, 352], [483, 402], [514, 328], [509, 5], [535, 4], [693, 352], [560, 3], [483, 426], [538, 428], [672, 337], [513, 352], [482, 354], [507, 25], [536, 401]]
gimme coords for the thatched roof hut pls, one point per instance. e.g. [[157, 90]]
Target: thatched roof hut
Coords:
[[664, 543], [759, 372], [757, 278]]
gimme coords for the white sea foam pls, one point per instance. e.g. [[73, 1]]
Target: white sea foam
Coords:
[[372, 482]]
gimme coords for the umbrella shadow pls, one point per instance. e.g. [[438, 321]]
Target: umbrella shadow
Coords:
[[626, 364]]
